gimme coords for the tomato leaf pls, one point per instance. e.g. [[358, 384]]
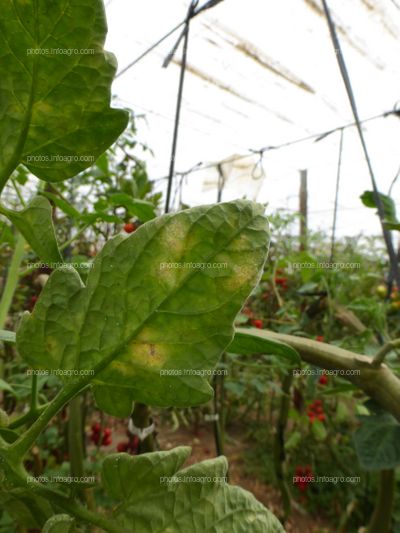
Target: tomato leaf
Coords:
[[158, 307], [36, 225], [250, 341], [55, 91], [155, 496], [142, 209], [377, 442], [62, 204]]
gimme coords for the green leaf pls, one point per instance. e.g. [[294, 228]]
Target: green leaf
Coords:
[[62, 204], [235, 387], [142, 209], [155, 496], [36, 225], [7, 336], [250, 341], [25, 508], [115, 401], [377, 442], [392, 225], [158, 306], [55, 92], [389, 207], [60, 523], [8, 435], [5, 386]]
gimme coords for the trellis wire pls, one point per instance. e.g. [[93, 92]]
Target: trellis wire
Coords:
[[394, 265], [336, 196]]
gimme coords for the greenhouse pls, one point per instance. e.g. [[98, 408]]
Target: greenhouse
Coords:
[[200, 266]]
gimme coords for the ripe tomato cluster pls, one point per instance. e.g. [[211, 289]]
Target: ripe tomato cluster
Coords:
[[304, 476], [315, 411], [103, 437], [281, 282]]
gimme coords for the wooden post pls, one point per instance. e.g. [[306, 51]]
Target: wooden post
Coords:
[[303, 210]]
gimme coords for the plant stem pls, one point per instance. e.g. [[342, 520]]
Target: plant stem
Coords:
[[21, 446], [382, 516], [141, 419], [75, 437], [381, 354], [381, 383], [279, 445], [71, 240], [28, 417], [12, 280], [78, 511]]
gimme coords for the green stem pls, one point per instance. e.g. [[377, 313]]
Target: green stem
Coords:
[[22, 445], [382, 353], [381, 383], [21, 198], [34, 394], [12, 280], [382, 516], [141, 419], [71, 240], [75, 437], [27, 418]]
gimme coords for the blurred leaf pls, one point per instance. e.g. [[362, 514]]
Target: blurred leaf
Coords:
[[62, 204], [389, 207], [5, 386], [141, 209], [36, 225], [253, 341], [7, 336], [377, 442], [319, 431]]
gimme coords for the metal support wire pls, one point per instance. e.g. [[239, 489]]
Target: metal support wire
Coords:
[[339, 168], [195, 12], [394, 265], [193, 5]]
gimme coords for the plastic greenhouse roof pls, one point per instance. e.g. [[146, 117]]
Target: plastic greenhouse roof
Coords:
[[262, 73]]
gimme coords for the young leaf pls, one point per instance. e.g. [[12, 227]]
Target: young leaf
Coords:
[[377, 442], [155, 496], [55, 92], [158, 305], [250, 341], [36, 225]]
